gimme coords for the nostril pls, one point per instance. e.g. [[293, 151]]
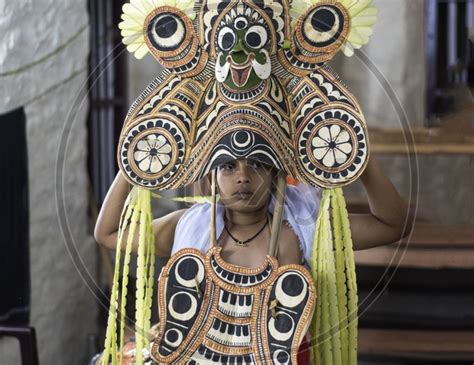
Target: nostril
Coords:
[[243, 180]]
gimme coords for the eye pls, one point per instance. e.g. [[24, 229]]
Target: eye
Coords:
[[226, 39], [323, 26], [240, 23], [166, 32], [256, 164], [256, 36], [226, 166]]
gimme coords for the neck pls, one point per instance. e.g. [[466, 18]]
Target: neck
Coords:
[[246, 218]]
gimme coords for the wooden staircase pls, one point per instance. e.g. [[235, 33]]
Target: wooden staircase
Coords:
[[416, 298]]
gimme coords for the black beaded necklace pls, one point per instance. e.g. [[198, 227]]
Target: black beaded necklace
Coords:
[[239, 242]]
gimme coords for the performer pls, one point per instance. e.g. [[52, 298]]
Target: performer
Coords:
[[383, 225], [246, 100], [246, 215]]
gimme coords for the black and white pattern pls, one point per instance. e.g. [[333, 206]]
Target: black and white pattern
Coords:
[[323, 25], [333, 147], [241, 315], [172, 39], [241, 97], [153, 98], [184, 293], [290, 295], [241, 279], [235, 305], [207, 356], [147, 154], [166, 31], [189, 66], [249, 143], [301, 65], [330, 89], [230, 334], [152, 153]]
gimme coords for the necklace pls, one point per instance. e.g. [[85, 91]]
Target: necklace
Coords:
[[243, 243]]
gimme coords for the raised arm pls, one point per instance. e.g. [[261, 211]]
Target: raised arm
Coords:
[[106, 228], [388, 212]]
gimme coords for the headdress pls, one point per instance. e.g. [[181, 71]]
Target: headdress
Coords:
[[249, 79]]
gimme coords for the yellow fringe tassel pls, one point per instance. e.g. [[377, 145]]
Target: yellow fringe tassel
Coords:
[[334, 326], [136, 214]]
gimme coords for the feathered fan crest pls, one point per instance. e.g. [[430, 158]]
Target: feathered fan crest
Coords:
[[134, 14], [362, 16]]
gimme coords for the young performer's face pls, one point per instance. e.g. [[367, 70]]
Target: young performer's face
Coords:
[[244, 184]]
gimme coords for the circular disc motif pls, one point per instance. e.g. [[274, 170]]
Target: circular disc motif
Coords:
[[319, 34], [166, 31], [182, 306], [151, 152], [291, 289], [281, 327], [323, 26], [242, 141], [281, 357], [173, 337], [188, 269], [333, 148]]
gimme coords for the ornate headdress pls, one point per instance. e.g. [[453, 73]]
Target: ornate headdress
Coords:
[[248, 79]]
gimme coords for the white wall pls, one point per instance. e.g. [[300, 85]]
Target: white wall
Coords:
[[43, 65], [397, 50]]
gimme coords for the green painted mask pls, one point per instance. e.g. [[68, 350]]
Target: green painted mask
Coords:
[[242, 59]]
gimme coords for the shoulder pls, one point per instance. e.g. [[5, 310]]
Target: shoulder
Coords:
[[192, 228], [196, 212], [164, 228], [286, 233], [166, 225], [289, 250], [172, 217], [303, 193]]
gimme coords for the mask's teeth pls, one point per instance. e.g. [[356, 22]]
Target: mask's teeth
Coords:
[[221, 71]]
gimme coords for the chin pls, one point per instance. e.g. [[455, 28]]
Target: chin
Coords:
[[250, 206]]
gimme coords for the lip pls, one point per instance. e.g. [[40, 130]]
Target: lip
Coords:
[[243, 195], [241, 72]]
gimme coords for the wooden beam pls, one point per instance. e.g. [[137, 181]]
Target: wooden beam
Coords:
[[416, 258], [429, 235], [420, 344], [425, 141], [430, 246]]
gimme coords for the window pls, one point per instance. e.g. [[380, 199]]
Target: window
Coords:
[[450, 54], [107, 93]]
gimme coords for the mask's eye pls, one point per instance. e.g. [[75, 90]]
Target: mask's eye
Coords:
[[240, 23], [226, 39], [323, 26], [256, 36], [166, 32]]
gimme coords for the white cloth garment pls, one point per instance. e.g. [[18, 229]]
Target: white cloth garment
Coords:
[[300, 212]]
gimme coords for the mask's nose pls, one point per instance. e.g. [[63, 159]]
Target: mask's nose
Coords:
[[239, 47]]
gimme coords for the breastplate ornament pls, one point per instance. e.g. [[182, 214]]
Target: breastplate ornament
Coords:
[[213, 312]]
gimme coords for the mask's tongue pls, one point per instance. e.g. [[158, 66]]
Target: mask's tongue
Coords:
[[240, 77]]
